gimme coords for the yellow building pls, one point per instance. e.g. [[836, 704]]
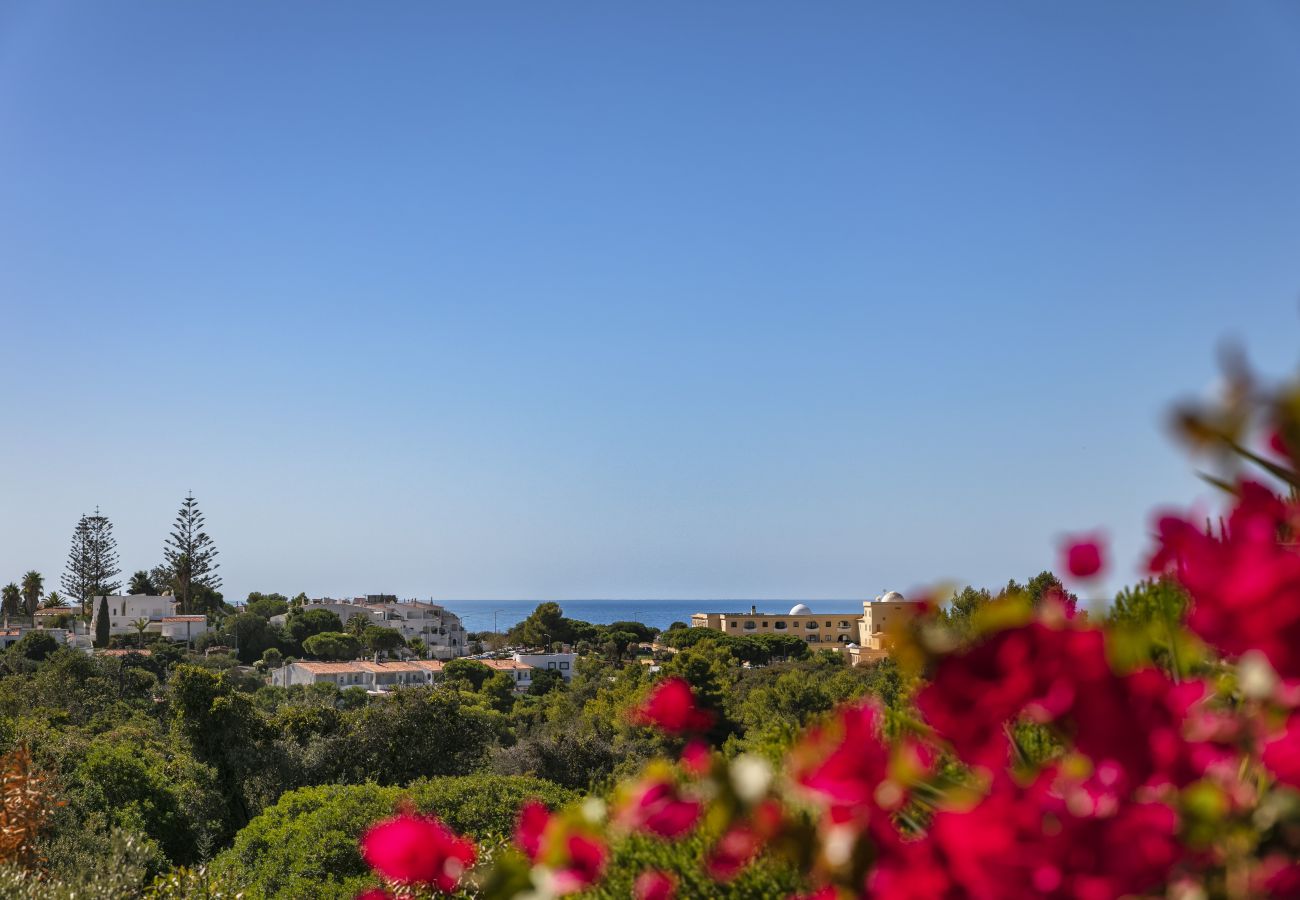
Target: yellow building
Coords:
[[863, 637], [830, 631]]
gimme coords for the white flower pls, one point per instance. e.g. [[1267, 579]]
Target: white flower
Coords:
[[750, 777], [1255, 676]]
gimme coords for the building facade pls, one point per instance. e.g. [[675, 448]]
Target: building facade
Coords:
[[439, 628], [564, 663], [381, 677], [830, 631], [862, 636], [160, 611]]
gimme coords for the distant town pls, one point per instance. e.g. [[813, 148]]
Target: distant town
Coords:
[[378, 642]]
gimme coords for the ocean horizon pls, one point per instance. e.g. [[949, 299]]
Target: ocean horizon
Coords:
[[488, 615]]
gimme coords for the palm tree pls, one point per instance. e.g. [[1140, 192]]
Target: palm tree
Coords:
[[140, 625], [10, 597], [141, 583], [33, 587], [54, 600]]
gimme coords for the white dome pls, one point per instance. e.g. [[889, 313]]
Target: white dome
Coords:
[[890, 597], [800, 609]]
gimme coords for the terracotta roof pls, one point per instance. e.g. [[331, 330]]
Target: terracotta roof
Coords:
[[504, 664], [184, 618], [357, 666], [126, 652], [379, 668], [328, 668]]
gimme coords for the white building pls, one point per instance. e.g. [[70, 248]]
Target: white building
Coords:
[[180, 628], [380, 677], [564, 663], [362, 673], [160, 611], [438, 627]]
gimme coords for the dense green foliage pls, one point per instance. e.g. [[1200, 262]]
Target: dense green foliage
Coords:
[[183, 759], [306, 844]]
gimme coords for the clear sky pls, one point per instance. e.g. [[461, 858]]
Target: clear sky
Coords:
[[647, 300]]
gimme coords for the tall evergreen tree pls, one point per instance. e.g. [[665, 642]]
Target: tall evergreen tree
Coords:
[[190, 555], [101, 623], [33, 587], [10, 599], [92, 561]]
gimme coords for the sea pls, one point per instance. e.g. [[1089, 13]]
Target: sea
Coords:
[[498, 615]]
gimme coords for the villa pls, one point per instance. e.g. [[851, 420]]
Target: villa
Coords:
[[381, 677], [124, 611], [863, 637], [439, 628]]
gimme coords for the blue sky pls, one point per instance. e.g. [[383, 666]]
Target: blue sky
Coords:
[[591, 300]]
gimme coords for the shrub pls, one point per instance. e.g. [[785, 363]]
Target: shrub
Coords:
[[306, 844]]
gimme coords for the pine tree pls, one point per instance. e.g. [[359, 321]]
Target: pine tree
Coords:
[[33, 587], [92, 561], [101, 623], [191, 555]]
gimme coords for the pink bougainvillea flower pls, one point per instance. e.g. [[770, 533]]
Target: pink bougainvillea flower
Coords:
[[653, 884], [1137, 725], [412, 849], [533, 819], [844, 760], [671, 706], [1029, 842], [742, 842], [374, 894], [1281, 753], [1033, 669], [585, 864], [1084, 555], [697, 758], [825, 893], [1277, 443], [1245, 584], [732, 853], [906, 869], [657, 807], [577, 860]]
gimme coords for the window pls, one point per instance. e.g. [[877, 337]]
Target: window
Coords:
[[750, 626], [844, 623], [828, 624], [564, 665], [812, 639], [764, 624], [733, 624], [550, 665], [780, 626], [810, 625]]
